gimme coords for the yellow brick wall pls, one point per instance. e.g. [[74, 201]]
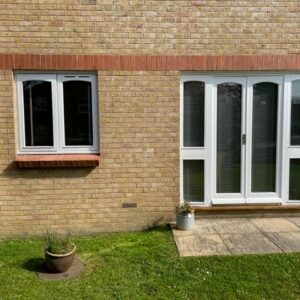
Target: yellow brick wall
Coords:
[[140, 163], [139, 111], [150, 26]]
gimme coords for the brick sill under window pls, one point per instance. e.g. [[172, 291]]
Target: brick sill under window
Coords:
[[27, 161]]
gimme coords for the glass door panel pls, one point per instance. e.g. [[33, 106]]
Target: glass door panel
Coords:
[[264, 137], [229, 131]]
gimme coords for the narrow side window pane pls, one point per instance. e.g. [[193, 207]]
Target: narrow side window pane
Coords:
[[193, 128], [295, 113], [38, 113], [78, 113], [294, 188], [264, 137], [229, 109], [193, 180]]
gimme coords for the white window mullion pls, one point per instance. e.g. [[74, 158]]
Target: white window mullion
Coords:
[[60, 105], [55, 116]]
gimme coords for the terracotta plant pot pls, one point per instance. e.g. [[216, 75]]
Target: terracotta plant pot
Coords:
[[185, 221], [59, 263]]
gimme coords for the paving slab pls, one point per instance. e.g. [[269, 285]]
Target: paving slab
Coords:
[[250, 243], [287, 241], [236, 236], [234, 225], [202, 226], [275, 225], [202, 245], [295, 220]]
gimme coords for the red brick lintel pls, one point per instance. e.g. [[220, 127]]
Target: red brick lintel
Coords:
[[150, 62], [57, 160]]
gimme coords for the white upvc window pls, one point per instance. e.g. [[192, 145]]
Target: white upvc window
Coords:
[[57, 113]]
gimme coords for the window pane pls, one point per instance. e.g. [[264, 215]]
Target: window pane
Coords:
[[295, 113], [229, 104], [193, 180], [193, 114], [38, 113], [78, 113], [264, 137], [294, 193]]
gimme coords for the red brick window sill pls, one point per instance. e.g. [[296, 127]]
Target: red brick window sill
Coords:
[[57, 160]]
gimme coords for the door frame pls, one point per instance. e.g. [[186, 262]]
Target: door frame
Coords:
[[285, 152], [226, 198], [267, 197], [246, 196]]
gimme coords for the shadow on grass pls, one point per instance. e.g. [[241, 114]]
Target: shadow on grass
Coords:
[[157, 226], [34, 264]]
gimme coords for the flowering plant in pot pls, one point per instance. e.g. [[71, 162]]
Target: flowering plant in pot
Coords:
[[185, 218], [59, 251]]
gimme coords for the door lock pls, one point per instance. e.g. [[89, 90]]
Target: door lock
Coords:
[[243, 139]]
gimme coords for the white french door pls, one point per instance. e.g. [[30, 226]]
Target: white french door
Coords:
[[246, 139]]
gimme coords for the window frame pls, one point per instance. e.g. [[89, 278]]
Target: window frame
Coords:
[[56, 80], [197, 153]]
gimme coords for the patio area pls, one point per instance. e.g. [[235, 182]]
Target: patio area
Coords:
[[236, 236]]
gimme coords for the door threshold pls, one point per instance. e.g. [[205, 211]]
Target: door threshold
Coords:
[[244, 211], [247, 207], [242, 202]]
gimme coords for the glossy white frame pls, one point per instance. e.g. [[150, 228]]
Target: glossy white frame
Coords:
[[223, 198], [291, 151], [208, 153], [197, 153], [57, 111]]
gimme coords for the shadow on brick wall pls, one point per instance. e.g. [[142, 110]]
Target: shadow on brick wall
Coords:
[[12, 172]]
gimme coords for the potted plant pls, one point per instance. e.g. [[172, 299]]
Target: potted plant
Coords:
[[59, 251], [185, 218]]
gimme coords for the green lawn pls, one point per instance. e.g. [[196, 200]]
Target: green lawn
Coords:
[[145, 265]]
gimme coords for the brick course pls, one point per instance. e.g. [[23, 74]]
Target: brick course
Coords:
[[150, 63]]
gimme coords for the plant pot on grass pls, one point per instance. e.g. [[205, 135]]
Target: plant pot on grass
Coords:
[[185, 218], [59, 252]]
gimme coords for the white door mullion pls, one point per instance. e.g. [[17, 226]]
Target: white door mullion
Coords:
[[208, 125], [244, 132], [248, 160]]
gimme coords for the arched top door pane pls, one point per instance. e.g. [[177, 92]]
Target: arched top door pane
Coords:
[[229, 114], [38, 119], [193, 114], [264, 137], [295, 113]]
